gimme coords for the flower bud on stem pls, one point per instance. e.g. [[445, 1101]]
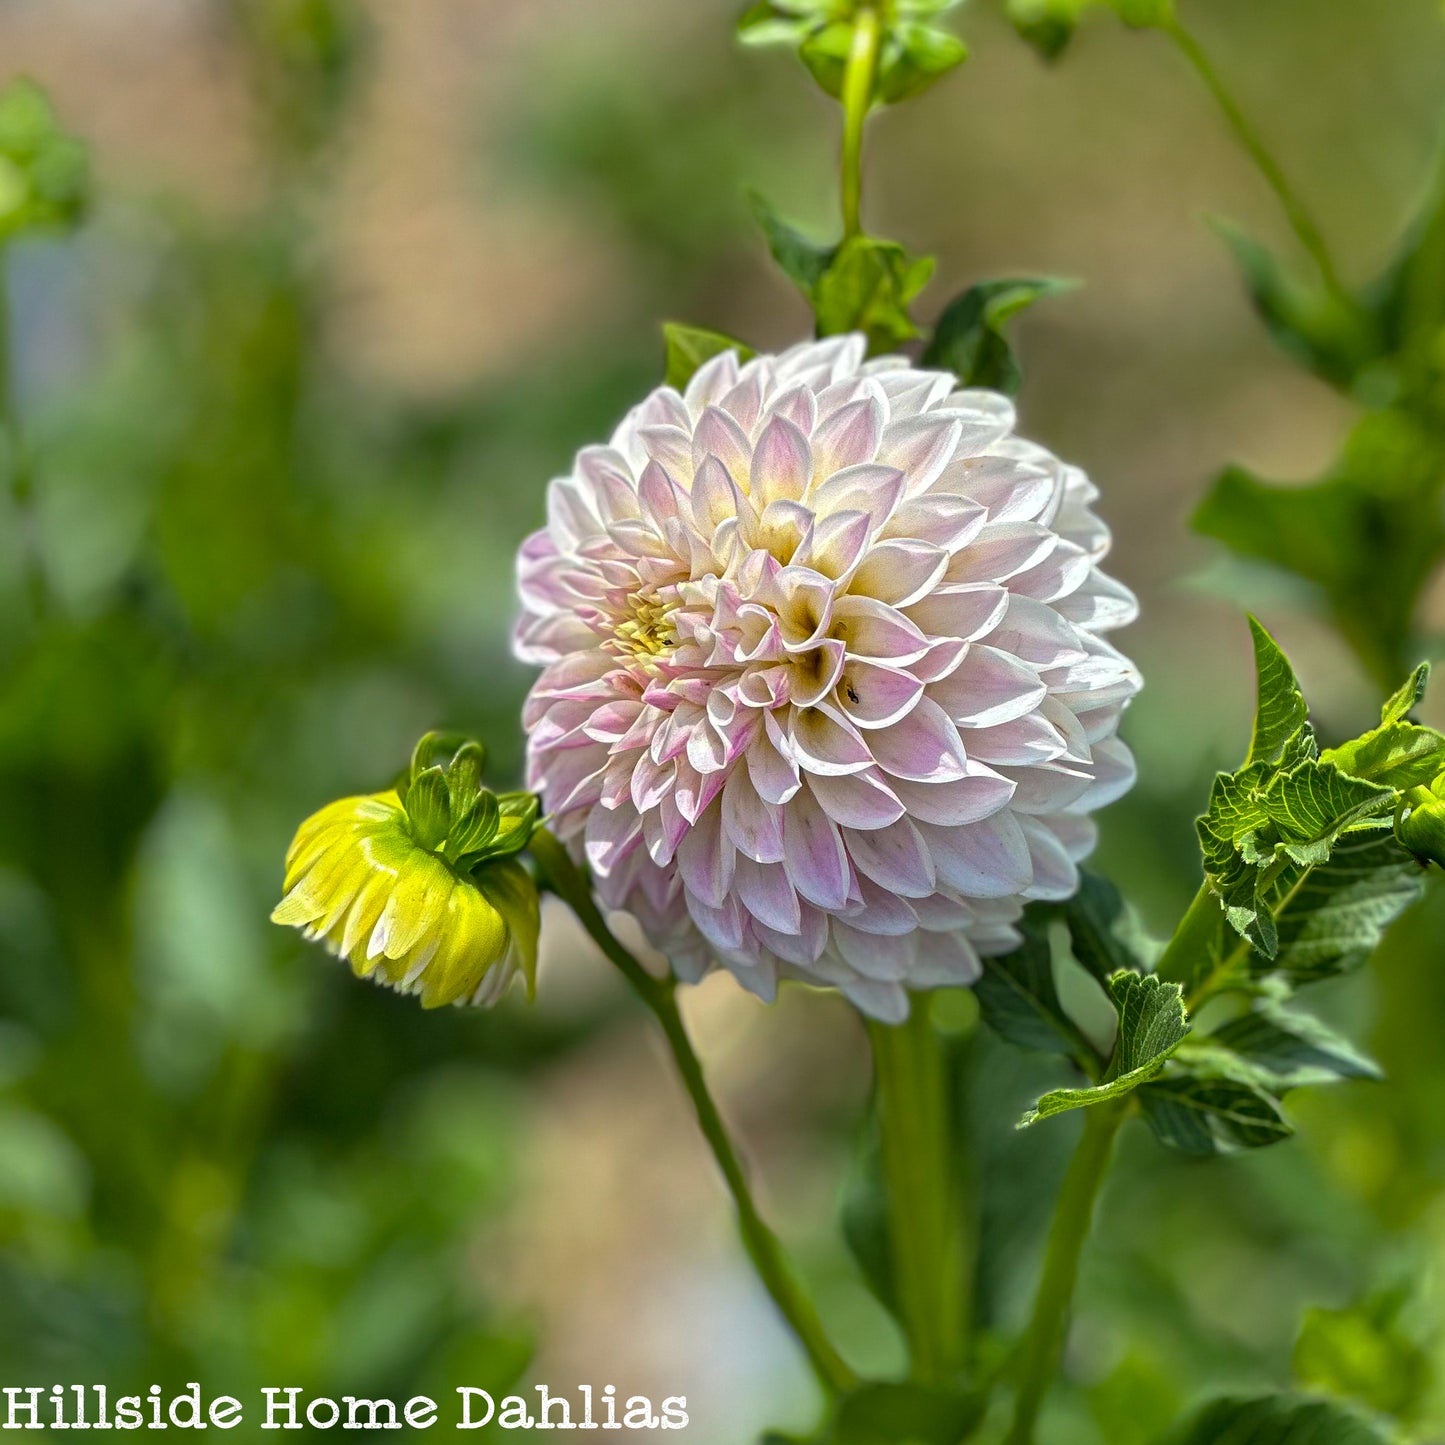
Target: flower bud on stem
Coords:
[[763, 1246]]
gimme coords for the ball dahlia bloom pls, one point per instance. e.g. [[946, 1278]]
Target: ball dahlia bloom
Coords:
[[825, 692]]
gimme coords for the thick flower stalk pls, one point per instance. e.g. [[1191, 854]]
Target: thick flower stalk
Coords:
[[825, 692], [419, 888]]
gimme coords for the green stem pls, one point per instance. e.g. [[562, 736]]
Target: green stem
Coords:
[[1296, 212], [925, 1219], [12, 454], [762, 1245], [857, 98], [1072, 1217]]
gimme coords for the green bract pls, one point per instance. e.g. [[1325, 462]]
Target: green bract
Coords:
[[420, 888], [44, 173], [913, 52]]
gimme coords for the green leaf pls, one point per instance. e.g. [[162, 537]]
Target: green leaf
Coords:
[[689, 346], [1200, 1109], [802, 260], [1261, 820], [889, 1413], [1278, 1420], [1106, 933], [825, 52], [1333, 919], [1019, 1001], [1366, 1352], [914, 57], [1398, 754], [970, 338], [1292, 1049], [1152, 1024], [1403, 702], [1280, 710], [1048, 25], [1368, 534], [1335, 338], [905, 1414], [867, 286], [44, 173], [767, 24]]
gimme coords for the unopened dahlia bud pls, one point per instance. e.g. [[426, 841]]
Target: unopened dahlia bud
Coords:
[[1421, 827], [825, 691], [419, 888]]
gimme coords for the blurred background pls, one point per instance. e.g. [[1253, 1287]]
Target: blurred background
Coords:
[[356, 281]]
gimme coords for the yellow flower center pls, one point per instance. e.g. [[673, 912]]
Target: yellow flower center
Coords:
[[648, 631]]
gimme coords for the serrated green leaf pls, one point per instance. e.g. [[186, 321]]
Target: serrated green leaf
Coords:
[[1400, 704], [1205, 1111], [1292, 1049], [1019, 1001], [1331, 918], [802, 260], [867, 286], [1261, 820], [1152, 1024], [1331, 336], [689, 346], [1398, 754], [1280, 708], [970, 339], [1278, 1420]]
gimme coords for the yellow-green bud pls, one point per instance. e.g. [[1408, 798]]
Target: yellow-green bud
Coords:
[[1421, 826], [419, 888]]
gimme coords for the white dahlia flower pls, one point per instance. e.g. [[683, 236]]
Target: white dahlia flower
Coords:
[[825, 693]]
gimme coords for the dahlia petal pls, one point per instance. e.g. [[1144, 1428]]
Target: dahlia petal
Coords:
[[782, 462], [706, 860], [979, 794], [813, 853], [754, 828], [718, 435], [856, 800], [816, 672], [766, 893], [988, 687], [873, 629], [835, 545], [987, 859], [611, 836], [867, 488], [798, 405], [874, 956], [945, 521], [1035, 632], [963, 612], [899, 572], [897, 858], [825, 742], [920, 447], [1021, 741], [711, 381], [924, 747], [874, 695], [847, 437], [944, 960]]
